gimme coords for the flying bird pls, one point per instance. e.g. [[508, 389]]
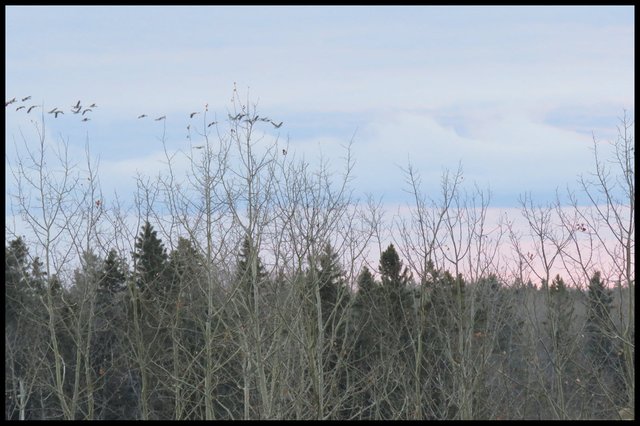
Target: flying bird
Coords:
[[142, 115], [53, 110], [88, 109], [86, 119], [20, 107], [93, 106], [76, 110], [212, 123], [284, 152], [58, 112], [161, 118], [277, 126], [26, 99], [199, 147], [76, 105], [192, 114], [10, 102], [31, 107]]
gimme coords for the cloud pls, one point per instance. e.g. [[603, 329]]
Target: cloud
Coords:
[[507, 152], [511, 92]]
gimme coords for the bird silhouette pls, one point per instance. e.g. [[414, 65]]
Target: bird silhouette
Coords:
[[26, 99], [264, 119], [277, 126], [86, 119], [76, 110], [284, 152], [88, 109], [20, 107], [161, 118], [142, 115], [76, 105], [192, 114], [53, 111], [58, 112], [212, 123], [9, 102], [31, 107], [93, 106], [199, 147]]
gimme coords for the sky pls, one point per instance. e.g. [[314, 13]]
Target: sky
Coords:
[[514, 95]]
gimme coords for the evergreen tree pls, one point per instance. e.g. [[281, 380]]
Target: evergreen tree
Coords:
[[154, 304], [398, 300], [599, 324], [326, 273], [392, 274], [25, 335], [185, 259], [331, 285], [395, 319], [16, 277], [366, 346], [150, 259], [439, 340], [561, 310], [366, 282], [114, 395], [38, 279], [114, 273]]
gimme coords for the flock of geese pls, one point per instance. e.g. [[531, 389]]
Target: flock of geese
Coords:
[[76, 109], [231, 117], [79, 109]]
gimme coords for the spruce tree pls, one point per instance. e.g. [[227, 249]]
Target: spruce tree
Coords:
[[16, 277], [392, 274], [326, 279], [114, 273], [331, 284], [367, 322], [366, 282], [599, 324], [151, 320], [395, 321], [150, 259], [114, 395], [561, 310]]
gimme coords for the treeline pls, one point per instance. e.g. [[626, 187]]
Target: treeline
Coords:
[[132, 340], [245, 292]]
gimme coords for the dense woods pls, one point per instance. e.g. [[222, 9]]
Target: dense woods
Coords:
[[260, 287]]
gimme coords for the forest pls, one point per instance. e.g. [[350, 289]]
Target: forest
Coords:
[[259, 286]]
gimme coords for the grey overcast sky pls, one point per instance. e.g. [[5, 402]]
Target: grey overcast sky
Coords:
[[513, 93]]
